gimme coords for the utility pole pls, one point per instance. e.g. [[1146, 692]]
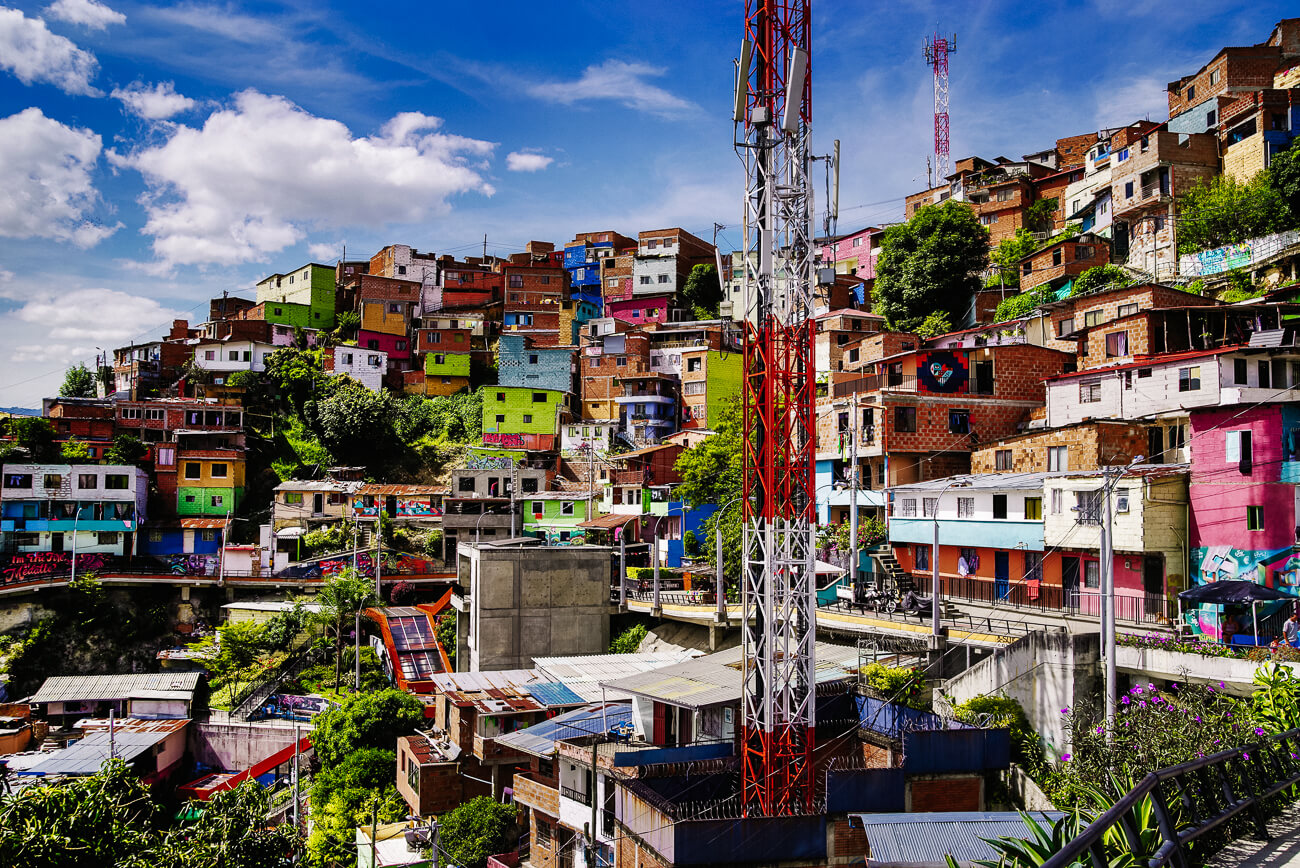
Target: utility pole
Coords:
[[853, 492], [937, 49], [1108, 602]]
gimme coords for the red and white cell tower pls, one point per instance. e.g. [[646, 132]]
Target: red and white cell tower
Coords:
[[774, 104], [937, 50]]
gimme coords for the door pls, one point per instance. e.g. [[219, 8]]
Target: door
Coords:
[[1070, 582], [317, 503], [984, 378], [56, 543], [390, 505], [1156, 445], [1002, 574], [1153, 585]]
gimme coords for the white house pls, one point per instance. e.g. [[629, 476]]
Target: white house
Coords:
[[595, 435], [365, 366], [223, 357]]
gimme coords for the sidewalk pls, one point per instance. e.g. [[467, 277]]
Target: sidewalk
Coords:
[[1282, 850]]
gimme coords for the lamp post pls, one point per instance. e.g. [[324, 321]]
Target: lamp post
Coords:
[[1108, 589], [484, 514], [76, 516], [936, 587], [622, 559]]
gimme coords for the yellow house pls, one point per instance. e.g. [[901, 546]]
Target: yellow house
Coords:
[[384, 316]]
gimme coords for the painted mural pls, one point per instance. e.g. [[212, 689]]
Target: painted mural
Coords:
[[490, 462], [1278, 568], [577, 537], [941, 372], [514, 441], [193, 565], [34, 566]]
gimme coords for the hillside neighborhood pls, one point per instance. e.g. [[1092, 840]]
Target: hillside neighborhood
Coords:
[[425, 558]]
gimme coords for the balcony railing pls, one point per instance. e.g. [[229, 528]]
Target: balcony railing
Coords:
[[579, 797], [1022, 593], [874, 383]]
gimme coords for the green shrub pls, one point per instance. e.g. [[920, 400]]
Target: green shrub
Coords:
[[638, 574], [629, 640], [1100, 276], [896, 684], [1003, 712]]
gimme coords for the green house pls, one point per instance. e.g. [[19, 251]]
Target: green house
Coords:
[[518, 417], [555, 516]]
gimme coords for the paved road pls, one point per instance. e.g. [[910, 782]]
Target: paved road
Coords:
[[1282, 850]]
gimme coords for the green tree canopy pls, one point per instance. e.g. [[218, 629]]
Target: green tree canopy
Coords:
[[1099, 276], [712, 470], [471, 832], [75, 451], [126, 449], [1284, 175], [341, 598], [358, 425], [930, 264], [1007, 255], [703, 291], [295, 372], [35, 434], [1226, 211], [365, 720], [78, 382]]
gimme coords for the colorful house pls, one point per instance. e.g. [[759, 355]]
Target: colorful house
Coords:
[[304, 297], [58, 508], [555, 516], [209, 481], [521, 364], [522, 418], [446, 373]]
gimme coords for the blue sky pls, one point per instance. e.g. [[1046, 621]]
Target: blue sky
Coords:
[[152, 156]]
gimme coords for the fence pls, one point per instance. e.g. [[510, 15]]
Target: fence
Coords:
[[1206, 792], [1243, 255]]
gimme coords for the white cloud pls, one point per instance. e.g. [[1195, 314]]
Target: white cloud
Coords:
[[89, 318], [522, 161], [153, 103], [325, 252], [619, 81], [257, 175], [46, 189], [88, 13], [32, 53], [1132, 100]]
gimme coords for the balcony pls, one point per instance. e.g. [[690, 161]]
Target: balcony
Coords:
[[874, 383], [576, 796]]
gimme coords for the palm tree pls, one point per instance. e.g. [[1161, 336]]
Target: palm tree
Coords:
[[341, 598]]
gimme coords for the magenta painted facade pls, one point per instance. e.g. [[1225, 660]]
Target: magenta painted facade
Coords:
[[639, 310], [282, 336], [1242, 494], [862, 246], [398, 347]]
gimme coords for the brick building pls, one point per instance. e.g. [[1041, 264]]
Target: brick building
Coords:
[[1063, 260], [1083, 446], [602, 362]]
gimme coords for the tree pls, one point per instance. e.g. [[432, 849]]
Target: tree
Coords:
[[294, 371], [934, 325], [1007, 255], [475, 830], [78, 382], [341, 598], [126, 449], [36, 435], [930, 264], [1284, 175], [713, 471], [346, 325], [75, 451], [231, 832], [703, 291], [231, 652], [365, 720], [357, 425], [1098, 276], [1226, 211]]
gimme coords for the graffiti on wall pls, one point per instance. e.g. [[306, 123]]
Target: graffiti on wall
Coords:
[[576, 538], [513, 441], [417, 509], [295, 707], [359, 507], [193, 565], [1225, 258], [33, 566], [334, 566], [1277, 568], [942, 372], [489, 462]]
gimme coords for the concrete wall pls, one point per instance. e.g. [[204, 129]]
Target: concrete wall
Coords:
[[534, 601], [236, 746], [1044, 672]]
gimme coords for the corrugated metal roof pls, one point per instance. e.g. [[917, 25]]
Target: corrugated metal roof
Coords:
[[69, 688], [583, 674], [84, 757], [979, 480], [715, 678], [554, 694], [540, 738], [925, 839]]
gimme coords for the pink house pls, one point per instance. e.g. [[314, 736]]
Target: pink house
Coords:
[[1243, 495], [640, 309], [856, 253], [398, 347]]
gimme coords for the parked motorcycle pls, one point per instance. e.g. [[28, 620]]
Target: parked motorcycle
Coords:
[[915, 604]]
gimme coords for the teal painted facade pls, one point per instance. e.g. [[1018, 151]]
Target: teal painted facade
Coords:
[[969, 533]]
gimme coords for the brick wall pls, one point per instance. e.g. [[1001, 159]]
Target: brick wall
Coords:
[[1071, 150], [1089, 446], [848, 843], [1145, 297], [945, 794], [1244, 68]]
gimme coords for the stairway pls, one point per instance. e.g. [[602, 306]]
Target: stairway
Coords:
[[896, 577], [291, 667]]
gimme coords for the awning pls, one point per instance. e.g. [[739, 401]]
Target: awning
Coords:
[[203, 523], [290, 532], [610, 521], [1232, 592]]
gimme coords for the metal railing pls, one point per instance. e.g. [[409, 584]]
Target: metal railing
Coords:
[[1190, 800], [579, 797]]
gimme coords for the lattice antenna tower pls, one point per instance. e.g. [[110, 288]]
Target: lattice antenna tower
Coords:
[[773, 110], [937, 49]]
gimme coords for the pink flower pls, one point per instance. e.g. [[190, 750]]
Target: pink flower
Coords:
[[1259, 730], [1065, 757]]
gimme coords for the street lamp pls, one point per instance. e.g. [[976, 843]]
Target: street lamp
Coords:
[[76, 516], [622, 559], [936, 588], [1108, 589]]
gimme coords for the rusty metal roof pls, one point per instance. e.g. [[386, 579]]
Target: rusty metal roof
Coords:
[[378, 489], [507, 692]]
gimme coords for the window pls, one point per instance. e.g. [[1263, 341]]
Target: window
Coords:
[[1091, 318], [189, 498], [1092, 574], [1058, 458], [965, 507], [921, 557], [1065, 326], [528, 418], [663, 278], [543, 834], [929, 506], [117, 482], [501, 418], [1033, 566], [440, 359], [1002, 459], [539, 507], [53, 481], [1237, 449], [1084, 251], [1117, 344], [645, 280], [1128, 185], [220, 471], [566, 507], [1254, 518], [154, 415], [1214, 77], [130, 413], [1056, 256], [106, 538], [400, 345], [905, 419], [1033, 509], [218, 500], [907, 507], [1191, 94], [1239, 371], [294, 497], [516, 281], [1264, 379], [620, 362], [1189, 379], [1090, 392], [1121, 500], [999, 506], [346, 358], [87, 480], [528, 485], [1087, 507], [193, 470], [544, 280], [501, 396], [959, 421], [1057, 504]]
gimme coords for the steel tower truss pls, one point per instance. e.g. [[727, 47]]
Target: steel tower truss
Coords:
[[936, 54], [778, 714]]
